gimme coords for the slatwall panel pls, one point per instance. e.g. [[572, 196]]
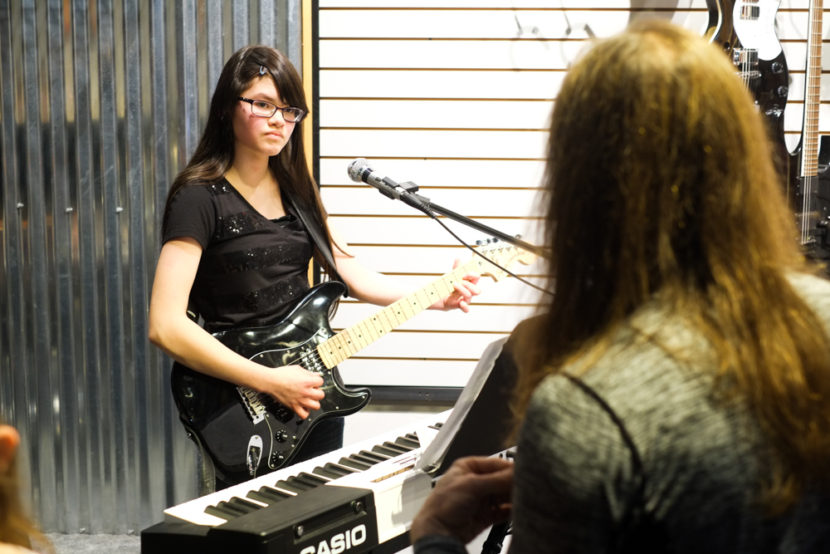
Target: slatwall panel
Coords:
[[455, 96], [101, 103]]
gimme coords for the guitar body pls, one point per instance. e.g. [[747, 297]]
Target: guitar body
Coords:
[[248, 433], [745, 29]]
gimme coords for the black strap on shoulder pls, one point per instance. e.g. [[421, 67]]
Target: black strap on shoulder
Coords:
[[319, 238], [637, 532]]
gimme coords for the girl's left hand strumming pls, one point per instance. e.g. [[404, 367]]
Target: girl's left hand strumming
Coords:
[[462, 295]]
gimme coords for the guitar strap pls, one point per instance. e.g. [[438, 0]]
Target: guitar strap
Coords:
[[319, 238]]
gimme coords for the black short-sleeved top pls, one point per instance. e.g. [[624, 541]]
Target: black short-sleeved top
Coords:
[[253, 269]]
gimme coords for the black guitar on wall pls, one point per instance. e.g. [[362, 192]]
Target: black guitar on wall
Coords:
[[247, 433], [809, 189], [745, 29]]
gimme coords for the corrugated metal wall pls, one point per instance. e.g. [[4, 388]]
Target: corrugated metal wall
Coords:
[[101, 103]]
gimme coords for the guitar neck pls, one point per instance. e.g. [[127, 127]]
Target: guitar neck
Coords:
[[812, 93], [353, 339]]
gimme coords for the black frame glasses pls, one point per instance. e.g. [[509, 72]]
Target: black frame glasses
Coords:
[[261, 108]]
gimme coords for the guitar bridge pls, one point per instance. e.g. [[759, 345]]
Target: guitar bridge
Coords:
[[253, 404]]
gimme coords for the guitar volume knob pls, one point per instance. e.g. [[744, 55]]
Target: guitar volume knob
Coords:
[[281, 436], [777, 67], [782, 91]]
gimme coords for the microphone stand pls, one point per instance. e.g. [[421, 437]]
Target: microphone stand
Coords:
[[406, 193]]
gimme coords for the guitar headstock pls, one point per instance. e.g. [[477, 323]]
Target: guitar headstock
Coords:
[[503, 255]]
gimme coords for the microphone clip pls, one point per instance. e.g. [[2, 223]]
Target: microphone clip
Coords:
[[409, 187]]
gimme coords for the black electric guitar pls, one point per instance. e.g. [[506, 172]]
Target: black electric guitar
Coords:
[[745, 29], [246, 433], [805, 188]]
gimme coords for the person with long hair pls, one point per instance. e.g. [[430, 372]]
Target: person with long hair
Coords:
[[18, 534], [241, 224], [674, 395]]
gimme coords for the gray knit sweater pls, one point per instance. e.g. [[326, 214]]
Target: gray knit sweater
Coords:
[[578, 487], [639, 455]]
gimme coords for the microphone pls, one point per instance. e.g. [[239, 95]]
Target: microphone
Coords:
[[359, 171]]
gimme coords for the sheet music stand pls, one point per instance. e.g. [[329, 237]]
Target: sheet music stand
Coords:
[[481, 419]]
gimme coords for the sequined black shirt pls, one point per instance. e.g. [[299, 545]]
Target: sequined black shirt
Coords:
[[252, 269]]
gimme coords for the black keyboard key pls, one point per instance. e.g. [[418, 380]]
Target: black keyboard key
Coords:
[[268, 495], [327, 473], [380, 449], [374, 455], [226, 511], [307, 480], [408, 443], [339, 468], [293, 487], [365, 459], [360, 466], [245, 505], [314, 478], [400, 449]]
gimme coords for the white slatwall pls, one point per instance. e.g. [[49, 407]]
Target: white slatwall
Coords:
[[455, 96]]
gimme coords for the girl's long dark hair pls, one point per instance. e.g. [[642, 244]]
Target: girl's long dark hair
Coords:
[[214, 153]]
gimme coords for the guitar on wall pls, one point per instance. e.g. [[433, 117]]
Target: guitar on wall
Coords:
[[745, 29], [805, 188], [245, 432]]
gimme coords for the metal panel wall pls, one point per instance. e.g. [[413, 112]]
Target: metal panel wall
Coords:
[[101, 103]]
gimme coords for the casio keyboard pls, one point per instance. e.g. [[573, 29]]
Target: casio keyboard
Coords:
[[359, 498]]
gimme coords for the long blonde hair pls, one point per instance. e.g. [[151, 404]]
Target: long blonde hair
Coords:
[[660, 179]]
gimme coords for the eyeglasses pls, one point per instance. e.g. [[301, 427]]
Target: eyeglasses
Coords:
[[261, 108]]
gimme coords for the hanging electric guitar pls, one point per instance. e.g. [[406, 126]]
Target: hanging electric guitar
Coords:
[[745, 29], [245, 432], [810, 207]]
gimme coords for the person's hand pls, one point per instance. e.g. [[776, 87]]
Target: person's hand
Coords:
[[462, 295], [9, 441], [472, 495], [294, 387]]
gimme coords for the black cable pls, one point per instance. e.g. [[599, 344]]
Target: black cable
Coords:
[[495, 539], [477, 253]]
